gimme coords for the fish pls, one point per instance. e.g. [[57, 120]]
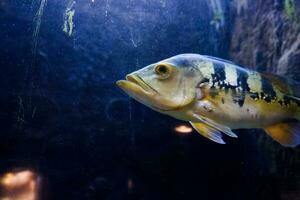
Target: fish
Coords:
[[217, 96]]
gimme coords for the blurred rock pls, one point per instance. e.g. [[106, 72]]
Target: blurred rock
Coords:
[[266, 37]]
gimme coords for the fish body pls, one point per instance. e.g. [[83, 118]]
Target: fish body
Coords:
[[216, 96]]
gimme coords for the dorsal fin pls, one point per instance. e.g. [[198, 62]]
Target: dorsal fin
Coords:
[[281, 83], [295, 86]]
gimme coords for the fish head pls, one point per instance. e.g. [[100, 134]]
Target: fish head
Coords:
[[167, 85]]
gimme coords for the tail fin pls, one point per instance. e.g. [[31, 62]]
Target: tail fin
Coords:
[[287, 134]]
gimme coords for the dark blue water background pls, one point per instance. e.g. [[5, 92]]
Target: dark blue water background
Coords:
[[62, 115]]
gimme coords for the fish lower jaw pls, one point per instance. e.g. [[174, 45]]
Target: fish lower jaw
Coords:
[[141, 95]]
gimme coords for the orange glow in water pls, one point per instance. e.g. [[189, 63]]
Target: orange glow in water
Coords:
[[130, 184], [183, 129], [21, 185]]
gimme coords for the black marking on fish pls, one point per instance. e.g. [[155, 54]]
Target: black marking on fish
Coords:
[[286, 100], [268, 94], [254, 96], [205, 80], [242, 77], [223, 101], [227, 87], [296, 101], [219, 76], [207, 109], [239, 99], [268, 99]]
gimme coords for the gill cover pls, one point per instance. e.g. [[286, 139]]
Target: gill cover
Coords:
[[173, 85]]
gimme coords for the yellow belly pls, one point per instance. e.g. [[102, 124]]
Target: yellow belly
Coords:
[[252, 114]]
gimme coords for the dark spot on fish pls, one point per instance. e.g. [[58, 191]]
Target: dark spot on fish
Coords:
[[248, 110], [239, 99], [297, 102], [242, 78], [228, 87], [286, 100], [205, 80], [207, 109], [268, 93], [294, 100], [241, 102], [268, 99], [219, 69], [254, 96], [218, 78]]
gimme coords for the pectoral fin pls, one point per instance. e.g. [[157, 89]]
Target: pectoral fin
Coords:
[[287, 134], [208, 132], [217, 126]]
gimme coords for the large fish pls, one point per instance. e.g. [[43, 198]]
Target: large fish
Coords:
[[216, 96]]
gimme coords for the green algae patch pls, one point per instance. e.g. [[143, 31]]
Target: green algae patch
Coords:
[[290, 9], [68, 22]]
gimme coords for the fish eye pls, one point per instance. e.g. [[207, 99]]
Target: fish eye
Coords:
[[163, 70]]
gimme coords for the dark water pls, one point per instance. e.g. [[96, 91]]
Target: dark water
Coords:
[[62, 116]]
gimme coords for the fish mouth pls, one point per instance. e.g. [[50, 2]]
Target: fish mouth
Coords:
[[134, 78], [136, 87]]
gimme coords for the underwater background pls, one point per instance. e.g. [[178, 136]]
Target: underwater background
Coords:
[[63, 119]]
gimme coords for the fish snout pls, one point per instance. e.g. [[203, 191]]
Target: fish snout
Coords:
[[133, 78], [128, 78]]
